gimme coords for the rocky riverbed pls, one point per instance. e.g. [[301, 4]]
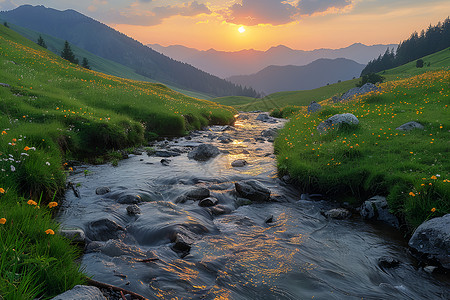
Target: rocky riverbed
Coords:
[[189, 222]]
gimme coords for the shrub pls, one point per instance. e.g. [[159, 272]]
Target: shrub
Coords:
[[370, 78]]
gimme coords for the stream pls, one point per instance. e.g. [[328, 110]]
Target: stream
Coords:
[[281, 249]]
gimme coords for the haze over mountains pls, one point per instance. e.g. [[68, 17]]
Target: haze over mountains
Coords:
[[293, 78], [225, 64], [108, 43]]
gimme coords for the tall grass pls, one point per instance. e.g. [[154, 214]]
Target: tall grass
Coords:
[[410, 168]]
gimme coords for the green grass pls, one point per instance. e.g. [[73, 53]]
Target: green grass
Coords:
[[97, 63], [54, 111], [410, 168]]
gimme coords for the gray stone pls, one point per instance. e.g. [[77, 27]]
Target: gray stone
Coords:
[[368, 87], [165, 162], [239, 163], [103, 230], [204, 152], [198, 193], [5, 85], [388, 262], [182, 243], [410, 126], [81, 292], [225, 139], [313, 107], [338, 213], [129, 199], [208, 202], [241, 202], [335, 99], [432, 240], [336, 120], [252, 190], [76, 235], [271, 132], [133, 210], [165, 153], [102, 190], [376, 208], [264, 117]]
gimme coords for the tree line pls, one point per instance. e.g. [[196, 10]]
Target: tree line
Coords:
[[66, 53], [434, 39]]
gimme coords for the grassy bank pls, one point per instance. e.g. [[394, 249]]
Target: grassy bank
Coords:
[[52, 111], [373, 158]]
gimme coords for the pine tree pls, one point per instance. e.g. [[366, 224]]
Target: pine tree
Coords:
[[85, 63], [68, 54], [41, 42], [6, 25]]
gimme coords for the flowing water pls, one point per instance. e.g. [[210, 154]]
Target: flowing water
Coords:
[[235, 253]]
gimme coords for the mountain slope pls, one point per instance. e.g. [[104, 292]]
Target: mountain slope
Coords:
[[225, 64], [108, 43], [292, 78]]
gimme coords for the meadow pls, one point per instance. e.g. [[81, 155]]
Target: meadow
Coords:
[[51, 112], [353, 163]]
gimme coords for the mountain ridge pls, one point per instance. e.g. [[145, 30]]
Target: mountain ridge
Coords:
[[225, 64]]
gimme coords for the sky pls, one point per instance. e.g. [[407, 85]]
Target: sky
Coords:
[[298, 24]]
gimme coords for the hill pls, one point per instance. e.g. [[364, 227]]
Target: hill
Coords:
[[52, 112], [96, 63], [245, 62], [290, 78], [101, 40]]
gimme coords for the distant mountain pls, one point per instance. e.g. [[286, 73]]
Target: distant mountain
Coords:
[[108, 43], [293, 78], [225, 64]]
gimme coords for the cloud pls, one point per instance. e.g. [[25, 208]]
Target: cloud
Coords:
[[309, 7], [6, 5], [187, 9], [155, 16], [254, 12]]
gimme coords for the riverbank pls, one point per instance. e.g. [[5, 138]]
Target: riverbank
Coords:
[[163, 224], [375, 157]]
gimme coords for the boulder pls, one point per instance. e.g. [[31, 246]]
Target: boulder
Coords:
[[432, 240], [198, 193], [204, 152], [129, 199], [410, 126], [81, 292], [75, 235], [376, 208], [368, 87], [208, 202], [335, 99], [165, 162], [337, 213], [313, 107], [239, 163], [336, 120], [103, 230], [165, 153], [252, 190], [102, 190], [264, 117], [271, 132], [182, 243], [133, 210]]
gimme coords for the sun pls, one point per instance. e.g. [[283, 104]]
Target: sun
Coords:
[[241, 29]]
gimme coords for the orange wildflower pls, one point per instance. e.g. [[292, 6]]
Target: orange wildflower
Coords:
[[433, 209], [52, 204], [26, 148], [2, 190], [49, 231], [433, 177], [2, 221], [31, 202], [412, 194]]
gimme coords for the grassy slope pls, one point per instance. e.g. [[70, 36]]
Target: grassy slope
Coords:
[[411, 168], [54, 110], [97, 63]]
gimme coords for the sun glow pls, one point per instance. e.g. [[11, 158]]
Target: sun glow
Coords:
[[241, 29]]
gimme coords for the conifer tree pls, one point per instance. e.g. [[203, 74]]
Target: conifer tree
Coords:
[[6, 25], [41, 42], [85, 63], [68, 54]]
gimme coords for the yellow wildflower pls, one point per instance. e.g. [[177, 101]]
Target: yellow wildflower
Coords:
[[2, 221], [49, 231], [31, 202], [52, 204]]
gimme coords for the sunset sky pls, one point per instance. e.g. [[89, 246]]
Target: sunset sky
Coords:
[[304, 24]]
